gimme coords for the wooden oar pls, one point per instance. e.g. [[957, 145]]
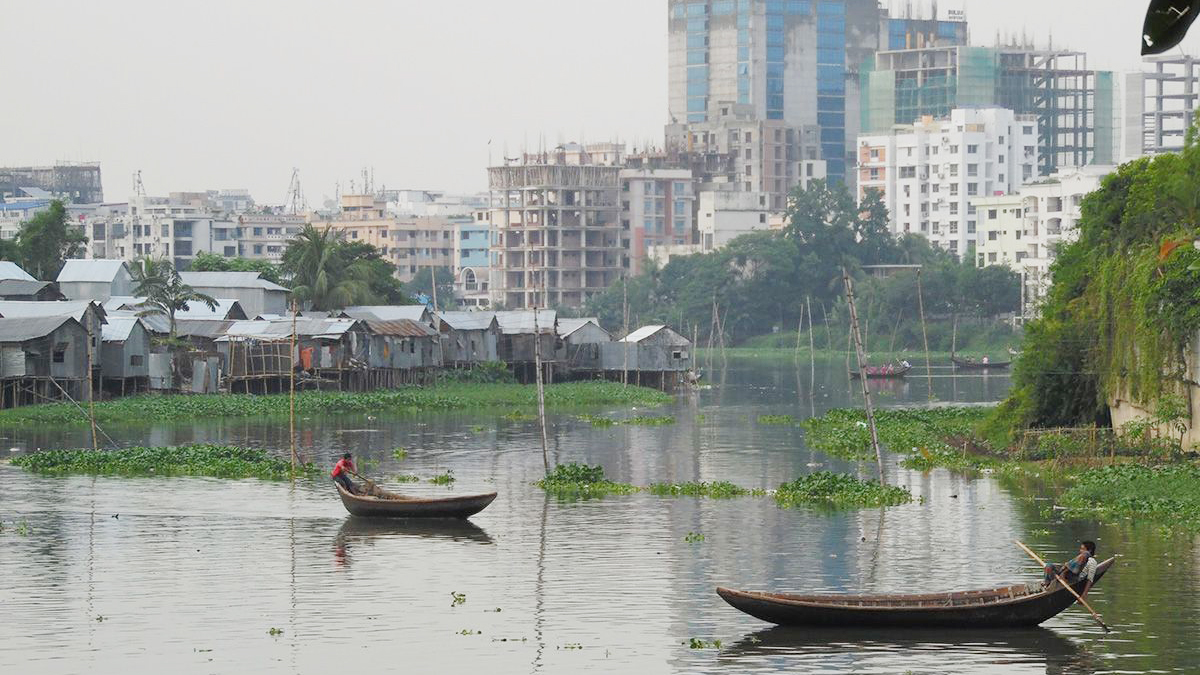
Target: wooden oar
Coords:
[[371, 486], [1066, 586]]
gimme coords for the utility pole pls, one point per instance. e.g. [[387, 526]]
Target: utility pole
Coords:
[[862, 373], [541, 392]]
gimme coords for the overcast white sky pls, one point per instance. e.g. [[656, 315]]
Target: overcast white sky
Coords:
[[234, 93]]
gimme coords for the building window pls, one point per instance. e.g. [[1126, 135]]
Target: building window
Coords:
[[991, 257], [972, 189], [60, 352], [135, 359], [972, 149]]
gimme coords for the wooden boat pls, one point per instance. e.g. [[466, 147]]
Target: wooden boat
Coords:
[[379, 503], [1020, 605], [979, 365], [882, 372]]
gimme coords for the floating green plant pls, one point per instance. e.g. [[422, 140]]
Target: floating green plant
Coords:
[[646, 421], [400, 454], [699, 643], [218, 461], [826, 488], [693, 537], [443, 478], [776, 419], [580, 481], [275, 632], [406, 478], [457, 599], [597, 421], [717, 490]]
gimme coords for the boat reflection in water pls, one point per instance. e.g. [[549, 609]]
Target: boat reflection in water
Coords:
[[1017, 650], [356, 532]]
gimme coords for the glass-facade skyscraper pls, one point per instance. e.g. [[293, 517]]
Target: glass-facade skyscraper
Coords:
[[792, 60]]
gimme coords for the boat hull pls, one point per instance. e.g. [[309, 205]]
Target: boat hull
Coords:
[[414, 507], [993, 608], [882, 375]]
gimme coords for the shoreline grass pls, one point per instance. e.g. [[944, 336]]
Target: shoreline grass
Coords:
[[214, 461], [445, 397]]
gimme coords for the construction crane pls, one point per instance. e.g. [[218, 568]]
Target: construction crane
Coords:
[[294, 202]]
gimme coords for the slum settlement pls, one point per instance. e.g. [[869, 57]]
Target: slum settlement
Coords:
[[87, 333]]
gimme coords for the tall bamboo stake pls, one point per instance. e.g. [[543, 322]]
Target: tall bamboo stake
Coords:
[[862, 374], [92, 390], [828, 331], [292, 392], [799, 329], [625, 313], [812, 351], [541, 392], [924, 335]]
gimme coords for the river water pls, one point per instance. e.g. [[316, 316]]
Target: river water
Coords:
[[191, 575]]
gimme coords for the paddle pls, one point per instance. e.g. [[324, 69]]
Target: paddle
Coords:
[[1066, 586], [371, 486]]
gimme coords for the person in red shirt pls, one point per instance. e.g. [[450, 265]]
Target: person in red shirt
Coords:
[[341, 473]]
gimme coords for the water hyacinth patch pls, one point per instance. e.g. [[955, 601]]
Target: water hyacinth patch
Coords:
[[826, 488], [159, 408], [580, 481], [1168, 492], [776, 419], [716, 489], [216, 461]]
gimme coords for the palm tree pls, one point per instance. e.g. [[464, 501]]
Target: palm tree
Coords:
[[164, 290], [321, 277]]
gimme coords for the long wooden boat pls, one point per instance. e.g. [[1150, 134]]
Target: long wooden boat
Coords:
[[379, 503], [979, 365], [1019, 605], [881, 372]]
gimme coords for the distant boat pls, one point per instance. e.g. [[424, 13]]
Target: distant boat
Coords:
[[881, 372], [971, 364], [379, 503], [1019, 605]]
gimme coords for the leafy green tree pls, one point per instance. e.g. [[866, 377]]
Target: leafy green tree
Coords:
[[380, 274], [157, 280], [212, 262], [323, 276], [47, 240], [423, 282]]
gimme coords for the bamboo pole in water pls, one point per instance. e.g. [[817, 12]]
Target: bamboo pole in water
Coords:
[[799, 329], [828, 331], [924, 335], [625, 315], [812, 352], [292, 392], [862, 374], [541, 392], [91, 382]]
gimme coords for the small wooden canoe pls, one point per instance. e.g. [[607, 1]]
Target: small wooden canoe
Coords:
[[882, 372], [1020, 605], [380, 503], [979, 365]]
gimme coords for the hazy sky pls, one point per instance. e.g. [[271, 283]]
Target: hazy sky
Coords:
[[227, 94]]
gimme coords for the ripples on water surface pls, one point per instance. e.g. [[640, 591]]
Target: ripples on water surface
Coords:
[[189, 575]]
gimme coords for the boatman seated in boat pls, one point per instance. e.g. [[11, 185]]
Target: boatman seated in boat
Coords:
[[1082, 566], [341, 473]]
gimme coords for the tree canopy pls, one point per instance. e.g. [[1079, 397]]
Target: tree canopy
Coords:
[[212, 262], [45, 242], [327, 272]]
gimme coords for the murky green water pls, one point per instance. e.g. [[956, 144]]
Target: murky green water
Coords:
[[191, 575]]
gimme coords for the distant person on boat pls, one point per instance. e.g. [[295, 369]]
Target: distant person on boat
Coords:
[[341, 472], [906, 364], [985, 360], [1082, 566]]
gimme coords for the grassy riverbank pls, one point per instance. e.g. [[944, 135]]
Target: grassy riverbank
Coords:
[[1114, 481], [457, 396], [216, 461]]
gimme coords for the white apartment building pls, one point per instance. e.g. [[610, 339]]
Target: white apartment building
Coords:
[[725, 215], [929, 172], [656, 210], [1024, 230], [264, 236]]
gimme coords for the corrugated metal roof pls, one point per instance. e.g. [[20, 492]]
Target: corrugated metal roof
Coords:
[[119, 302], [568, 326], [282, 329], [202, 328], [386, 312], [118, 328], [99, 271], [155, 323], [468, 320], [642, 333], [199, 310], [401, 328], [16, 309], [11, 270], [21, 287], [228, 280], [30, 328], [520, 321]]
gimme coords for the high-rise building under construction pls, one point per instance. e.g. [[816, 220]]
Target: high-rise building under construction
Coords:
[[791, 60], [1079, 111]]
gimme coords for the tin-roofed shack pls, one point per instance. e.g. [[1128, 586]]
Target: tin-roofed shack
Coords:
[[33, 291], [401, 352], [468, 338], [579, 343], [516, 347], [42, 358], [125, 355], [330, 354], [418, 313], [255, 294], [95, 279], [653, 356], [89, 314]]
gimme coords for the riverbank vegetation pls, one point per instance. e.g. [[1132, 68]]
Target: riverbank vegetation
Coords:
[[832, 489], [451, 396], [216, 461], [761, 281], [1122, 311]]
